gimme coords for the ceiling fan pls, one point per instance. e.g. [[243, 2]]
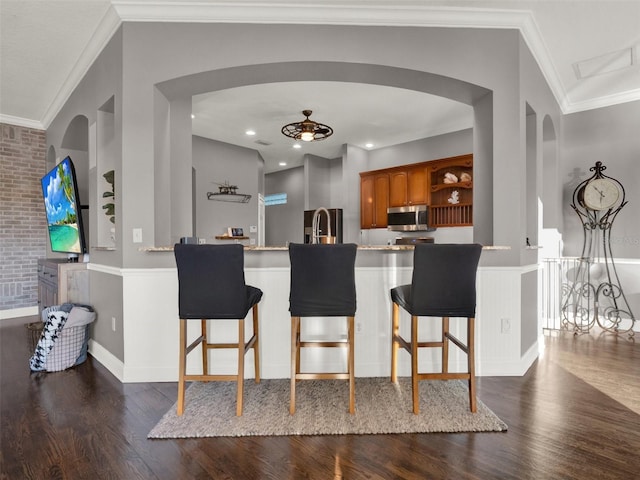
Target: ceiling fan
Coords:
[[307, 130]]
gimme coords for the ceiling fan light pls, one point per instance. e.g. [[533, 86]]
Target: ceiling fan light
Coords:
[[306, 136], [307, 130]]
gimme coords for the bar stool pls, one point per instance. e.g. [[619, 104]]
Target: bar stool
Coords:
[[443, 285], [322, 285], [212, 287]]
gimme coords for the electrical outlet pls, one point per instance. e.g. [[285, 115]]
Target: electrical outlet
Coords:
[[202, 241], [113, 323], [359, 328], [505, 325], [253, 228]]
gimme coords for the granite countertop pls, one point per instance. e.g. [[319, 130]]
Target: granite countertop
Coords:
[[250, 248], [381, 248], [360, 247]]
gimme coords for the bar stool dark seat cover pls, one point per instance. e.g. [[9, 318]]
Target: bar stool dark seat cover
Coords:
[[212, 287], [443, 285], [322, 285]]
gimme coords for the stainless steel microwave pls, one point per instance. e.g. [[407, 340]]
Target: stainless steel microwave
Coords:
[[412, 218]]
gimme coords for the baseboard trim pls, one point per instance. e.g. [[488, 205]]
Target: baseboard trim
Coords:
[[107, 359], [506, 368], [19, 312]]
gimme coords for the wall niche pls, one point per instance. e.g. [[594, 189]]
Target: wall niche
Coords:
[[105, 213]]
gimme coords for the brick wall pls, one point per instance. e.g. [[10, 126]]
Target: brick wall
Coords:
[[23, 227]]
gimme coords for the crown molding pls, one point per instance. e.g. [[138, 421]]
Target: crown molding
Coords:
[[405, 13], [601, 102], [363, 13], [107, 27], [21, 122], [538, 48]]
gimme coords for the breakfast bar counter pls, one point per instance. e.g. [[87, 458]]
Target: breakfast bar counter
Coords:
[[150, 318]]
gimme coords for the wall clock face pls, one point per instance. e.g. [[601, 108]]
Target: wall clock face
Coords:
[[600, 194]]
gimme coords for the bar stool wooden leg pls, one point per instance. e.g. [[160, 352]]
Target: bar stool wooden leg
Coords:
[[256, 344], [395, 314], [351, 362], [205, 350], [240, 381], [471, 355], [445, 344], [182, 365], [295, 359], [298, 348], [414, 364]]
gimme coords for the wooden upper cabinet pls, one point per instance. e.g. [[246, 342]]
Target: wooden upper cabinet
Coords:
[[367, 195], [451, 185], [417, 186], [374, 200], [408, 186], [398, 188], [382, 200], [446, 185]]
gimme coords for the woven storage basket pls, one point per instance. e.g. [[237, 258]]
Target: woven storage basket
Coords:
[[69, 348], [34, 330]]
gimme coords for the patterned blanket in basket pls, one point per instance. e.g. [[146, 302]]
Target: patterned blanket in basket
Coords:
[[63, 342]]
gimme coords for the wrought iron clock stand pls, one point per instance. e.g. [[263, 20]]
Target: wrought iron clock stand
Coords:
[[594, 294]]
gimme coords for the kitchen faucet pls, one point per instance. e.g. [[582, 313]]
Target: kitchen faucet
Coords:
[[315, 236]]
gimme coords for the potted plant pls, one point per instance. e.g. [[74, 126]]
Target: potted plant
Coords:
[[110, 207]]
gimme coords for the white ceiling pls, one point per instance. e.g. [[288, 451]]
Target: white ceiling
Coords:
[[588, 51], [396, 116]]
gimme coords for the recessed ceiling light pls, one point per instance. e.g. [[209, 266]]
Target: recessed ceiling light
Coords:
[[368, 145], [297, 145], [193, 116], [283, 164], [250, 132]]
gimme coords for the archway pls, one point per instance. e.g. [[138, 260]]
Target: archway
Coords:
[[173, 123], [551, 192], [75, 144]]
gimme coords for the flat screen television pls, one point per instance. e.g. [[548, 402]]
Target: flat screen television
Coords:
[[62, 205]]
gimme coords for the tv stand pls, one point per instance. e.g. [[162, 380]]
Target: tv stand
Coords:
[[61, 281]]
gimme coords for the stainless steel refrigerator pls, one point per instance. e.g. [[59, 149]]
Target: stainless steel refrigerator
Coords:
[[335, 215]]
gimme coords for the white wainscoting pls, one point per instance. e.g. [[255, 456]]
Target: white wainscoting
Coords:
[[150, 307]]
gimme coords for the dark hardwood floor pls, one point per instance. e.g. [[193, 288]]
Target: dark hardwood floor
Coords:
[[574, 415]]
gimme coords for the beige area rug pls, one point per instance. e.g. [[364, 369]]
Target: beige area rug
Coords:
[[322, 408]]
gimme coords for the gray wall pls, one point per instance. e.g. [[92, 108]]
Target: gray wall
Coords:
[[217, 162], [432, 148], [320, 179], [529, 311], [320, 182], [461, 64], [354, 161], [610, 135], [103, 80], [107, 306], [152, 70], [413, 70], [284, 223]]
